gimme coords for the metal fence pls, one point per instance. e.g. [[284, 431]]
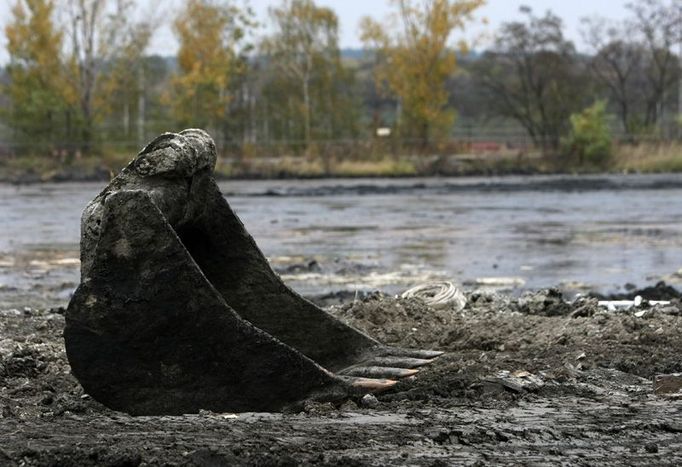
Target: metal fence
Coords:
[[505, 139]]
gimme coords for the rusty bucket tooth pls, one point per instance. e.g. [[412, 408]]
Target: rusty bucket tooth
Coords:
[[413, 353], [369, 385], [399, 362], [178, 310], [379, 372]]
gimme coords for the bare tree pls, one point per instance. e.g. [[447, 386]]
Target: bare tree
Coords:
[[658, 26], [533, 76], [415, 58], [619, 65], [100, 31]]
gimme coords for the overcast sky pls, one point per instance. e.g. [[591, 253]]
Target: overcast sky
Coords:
[[350, 12]]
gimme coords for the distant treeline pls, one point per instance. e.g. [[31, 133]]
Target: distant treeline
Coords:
[[79, 80]]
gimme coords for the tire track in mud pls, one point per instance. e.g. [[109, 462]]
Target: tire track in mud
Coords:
[[558, 431]]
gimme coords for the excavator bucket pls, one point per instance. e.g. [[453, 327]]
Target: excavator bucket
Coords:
[[178, 310]]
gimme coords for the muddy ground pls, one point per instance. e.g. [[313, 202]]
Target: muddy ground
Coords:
[[525, 381]]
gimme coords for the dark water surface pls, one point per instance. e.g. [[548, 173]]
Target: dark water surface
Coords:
[[327, 235]]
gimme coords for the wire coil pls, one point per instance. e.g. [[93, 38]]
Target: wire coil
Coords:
[[438, 295]]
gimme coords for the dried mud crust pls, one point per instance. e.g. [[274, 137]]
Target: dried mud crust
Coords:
[[529, 380]]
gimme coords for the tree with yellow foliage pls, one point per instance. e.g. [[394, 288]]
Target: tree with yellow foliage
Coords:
[[38, 93], [415, 59], [211, 36]]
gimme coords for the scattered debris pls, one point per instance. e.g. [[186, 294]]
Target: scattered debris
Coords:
[[638, 301], [369, 401], [518, 381], [585, 308], [670, 384]]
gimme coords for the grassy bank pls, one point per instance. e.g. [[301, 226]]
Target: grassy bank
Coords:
[[303, 167], [649, 158], [642, 158]]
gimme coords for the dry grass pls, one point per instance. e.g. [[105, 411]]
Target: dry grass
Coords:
[[643, 157], [648, 157], [284, 166], [375, 168], [307, 167]]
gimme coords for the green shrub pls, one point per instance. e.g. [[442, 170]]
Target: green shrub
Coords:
[[590, 137]]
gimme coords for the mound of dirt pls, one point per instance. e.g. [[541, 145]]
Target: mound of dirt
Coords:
[[538, 333]]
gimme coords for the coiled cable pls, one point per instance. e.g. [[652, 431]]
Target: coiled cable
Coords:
[[438, 295]]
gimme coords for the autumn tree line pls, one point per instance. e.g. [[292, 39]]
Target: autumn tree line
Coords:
[[80, 77]]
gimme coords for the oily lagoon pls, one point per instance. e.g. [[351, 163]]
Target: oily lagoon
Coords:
[[581, 233]]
